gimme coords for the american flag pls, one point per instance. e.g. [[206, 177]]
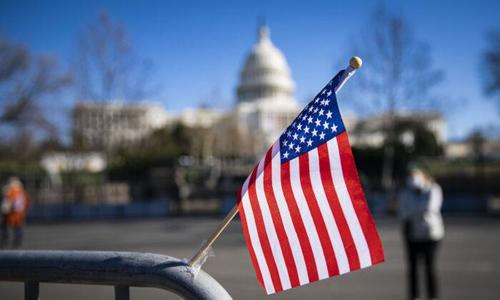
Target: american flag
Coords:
[[303, 211]]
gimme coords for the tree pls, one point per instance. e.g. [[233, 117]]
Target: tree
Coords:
[[413, 141], [107, 67], [161, 148], [491, 66], [398, 73], [26, 81], [230, 141]]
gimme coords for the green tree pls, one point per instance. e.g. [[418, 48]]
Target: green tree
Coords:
[[413, 141], [162, 147]]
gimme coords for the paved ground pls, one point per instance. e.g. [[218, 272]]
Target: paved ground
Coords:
[[469, 263]]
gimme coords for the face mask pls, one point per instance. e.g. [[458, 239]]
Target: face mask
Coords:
[[417, 181]]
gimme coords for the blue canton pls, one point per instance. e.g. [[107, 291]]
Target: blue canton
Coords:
[[319, 122]]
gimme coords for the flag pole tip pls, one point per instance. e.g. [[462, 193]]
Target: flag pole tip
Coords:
[[355, 62]]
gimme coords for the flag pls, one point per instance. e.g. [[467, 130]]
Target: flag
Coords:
[[302, 209]]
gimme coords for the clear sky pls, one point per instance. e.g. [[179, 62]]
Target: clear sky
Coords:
[[198, 47]]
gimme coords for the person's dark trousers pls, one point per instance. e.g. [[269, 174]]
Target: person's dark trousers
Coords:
[[5, 233], [18, 236], [418, 252]]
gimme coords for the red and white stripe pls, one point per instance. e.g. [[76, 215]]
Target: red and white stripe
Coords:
[[307, 219]]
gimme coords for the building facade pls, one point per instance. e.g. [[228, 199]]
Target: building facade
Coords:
[[198, 117], [108, 125], [370, 131], [264, 107], [265, 102]]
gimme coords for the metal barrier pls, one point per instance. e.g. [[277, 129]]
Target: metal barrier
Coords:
[[120, 269]]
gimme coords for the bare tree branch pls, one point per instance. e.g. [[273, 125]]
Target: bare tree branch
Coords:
[[491, 66], [13, 58], [25, 84], [398, 70], [107, 68]]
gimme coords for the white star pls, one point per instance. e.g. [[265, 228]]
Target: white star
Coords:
[[304, 117], [302, 139], [316, 100], [318, 122], [295, 136], [314, 132], [323, 92], [290, 146], [309, 143], [322, 102], [316, 110], [306, 130], [310, 108], [334, 128], [321, 136], [299, 126], [328, 114], [285, 143], [309, 120], [288, 134], [297, 149], [326, 125], [328, 94], [321, 112], [285, 155], [327, 101]]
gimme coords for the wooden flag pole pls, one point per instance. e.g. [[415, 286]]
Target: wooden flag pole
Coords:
[[354, 63], [215, 235]]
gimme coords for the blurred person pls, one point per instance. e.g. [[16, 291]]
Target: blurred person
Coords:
[[14, 206], [420, 213]]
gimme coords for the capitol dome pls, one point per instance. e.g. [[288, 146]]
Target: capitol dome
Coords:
[[265, 75]]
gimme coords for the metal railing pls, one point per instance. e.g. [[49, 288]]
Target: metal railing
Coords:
[[119, 269]]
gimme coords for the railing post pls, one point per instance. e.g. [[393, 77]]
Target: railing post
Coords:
[[31, 290], [122, 292]]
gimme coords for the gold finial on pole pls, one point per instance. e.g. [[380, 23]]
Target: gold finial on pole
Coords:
[[355, 62]]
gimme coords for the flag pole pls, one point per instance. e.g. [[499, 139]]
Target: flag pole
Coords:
[[205, 247], [200, 256]]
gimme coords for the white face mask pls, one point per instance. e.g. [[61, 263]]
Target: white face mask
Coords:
[[417, 180]]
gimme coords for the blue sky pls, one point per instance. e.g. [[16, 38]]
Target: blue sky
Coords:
[[198, 47]]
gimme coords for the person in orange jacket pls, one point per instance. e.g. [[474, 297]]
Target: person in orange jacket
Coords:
[[14, 206]]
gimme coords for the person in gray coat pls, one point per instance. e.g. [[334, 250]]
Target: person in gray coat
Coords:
[[420, 213]]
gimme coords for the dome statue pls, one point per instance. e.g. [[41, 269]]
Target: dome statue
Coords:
[[265, 74], [265, 104]]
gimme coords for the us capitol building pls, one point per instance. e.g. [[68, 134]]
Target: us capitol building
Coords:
[[264, 106], [265, 100]]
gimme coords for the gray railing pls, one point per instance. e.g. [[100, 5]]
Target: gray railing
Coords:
[[119, 269]]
